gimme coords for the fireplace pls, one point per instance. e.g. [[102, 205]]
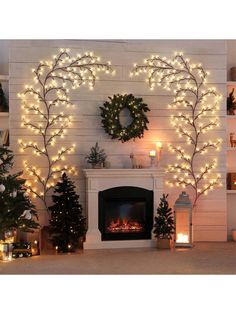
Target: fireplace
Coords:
[[125, 213], [120, 206]]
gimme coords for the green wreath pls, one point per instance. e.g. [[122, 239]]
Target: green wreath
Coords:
[[110, 113]]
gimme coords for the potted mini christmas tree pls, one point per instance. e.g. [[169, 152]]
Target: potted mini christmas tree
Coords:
[[231, 103], [16, 209], [164, 224], [96, 157], [67, 223], [3, 102]]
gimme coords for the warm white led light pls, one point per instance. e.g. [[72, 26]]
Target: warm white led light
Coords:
[[195, 106], [53, 80]]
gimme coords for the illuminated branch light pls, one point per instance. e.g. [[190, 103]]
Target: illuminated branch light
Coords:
[[53, 80], [188, 81]]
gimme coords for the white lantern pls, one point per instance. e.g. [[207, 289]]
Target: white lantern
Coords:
[[183, 221]]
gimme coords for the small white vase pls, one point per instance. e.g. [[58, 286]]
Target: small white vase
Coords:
[[234, 234]]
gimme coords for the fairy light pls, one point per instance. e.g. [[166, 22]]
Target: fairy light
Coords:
[[53, 80], [193, 100]]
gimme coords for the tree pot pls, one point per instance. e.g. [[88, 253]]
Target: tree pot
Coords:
[[234, 234], [230, 112], [97, 166], [163, 244]]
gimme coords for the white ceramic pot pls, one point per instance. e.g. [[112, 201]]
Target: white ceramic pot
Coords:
[[234, 234]]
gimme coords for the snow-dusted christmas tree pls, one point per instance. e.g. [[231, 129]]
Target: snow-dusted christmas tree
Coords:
[[16, 209]]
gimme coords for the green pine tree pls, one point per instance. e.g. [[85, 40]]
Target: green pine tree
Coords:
[[231, 103], [96, 156], [16, 209], [164, 222], [67, 224]]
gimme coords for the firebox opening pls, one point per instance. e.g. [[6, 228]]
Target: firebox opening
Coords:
[[125, 213]]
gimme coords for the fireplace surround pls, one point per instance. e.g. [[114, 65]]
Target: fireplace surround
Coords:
[[131, 196]]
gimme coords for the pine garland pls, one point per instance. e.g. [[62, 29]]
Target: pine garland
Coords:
[[110, 113]]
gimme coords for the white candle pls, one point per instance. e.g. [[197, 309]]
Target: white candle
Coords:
[[182, 238], [159, 148], [152, 153]]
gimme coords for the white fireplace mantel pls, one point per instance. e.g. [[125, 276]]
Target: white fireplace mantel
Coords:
[[101, 179]]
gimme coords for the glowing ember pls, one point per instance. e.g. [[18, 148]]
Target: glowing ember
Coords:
[[182, 238], [124, 225]]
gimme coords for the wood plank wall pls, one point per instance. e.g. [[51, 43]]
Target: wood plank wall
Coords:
[[210, 218]]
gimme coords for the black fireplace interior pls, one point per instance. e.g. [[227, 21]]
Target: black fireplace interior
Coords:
[[125, 213]]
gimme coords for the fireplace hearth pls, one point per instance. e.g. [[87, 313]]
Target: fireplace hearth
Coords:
[[125, 213]]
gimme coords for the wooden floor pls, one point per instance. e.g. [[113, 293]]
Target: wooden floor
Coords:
[[203, 258]]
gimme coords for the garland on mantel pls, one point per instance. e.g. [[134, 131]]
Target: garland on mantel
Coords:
[[110, 113]]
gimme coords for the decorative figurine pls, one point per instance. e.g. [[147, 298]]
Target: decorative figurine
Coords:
[[135, 163]]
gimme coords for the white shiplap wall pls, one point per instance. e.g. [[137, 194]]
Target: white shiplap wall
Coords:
[[210, 219]]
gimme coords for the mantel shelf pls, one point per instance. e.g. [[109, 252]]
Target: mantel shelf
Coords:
[[4, 114], [231, 116], [231, 149], [4, 78], [231, 191]]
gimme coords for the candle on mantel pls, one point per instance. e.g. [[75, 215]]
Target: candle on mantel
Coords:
[[182, 238], [158, 148], [152, 153]]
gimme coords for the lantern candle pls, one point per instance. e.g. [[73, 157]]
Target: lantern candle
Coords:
[[183, 221], [182, 238]]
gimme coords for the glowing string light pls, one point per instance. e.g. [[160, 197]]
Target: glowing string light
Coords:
[[53, 80], [195, 105]]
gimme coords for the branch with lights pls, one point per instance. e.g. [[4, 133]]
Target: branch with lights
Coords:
[[198, 104], [53, 81]]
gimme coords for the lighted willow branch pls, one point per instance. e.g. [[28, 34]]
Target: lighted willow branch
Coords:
[[191, 94], [53, 81]]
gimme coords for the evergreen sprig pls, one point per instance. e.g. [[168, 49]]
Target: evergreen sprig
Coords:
[[164, 222]]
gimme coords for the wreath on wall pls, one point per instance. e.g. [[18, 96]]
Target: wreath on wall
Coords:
[[110, 113]]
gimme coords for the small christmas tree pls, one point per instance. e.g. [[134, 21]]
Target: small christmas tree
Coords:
[[16, 209], [67, 224], [164, 222], [96, 157], [3, 102], [231, 103]]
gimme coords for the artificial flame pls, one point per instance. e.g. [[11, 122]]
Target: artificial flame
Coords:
[[124, 225]]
